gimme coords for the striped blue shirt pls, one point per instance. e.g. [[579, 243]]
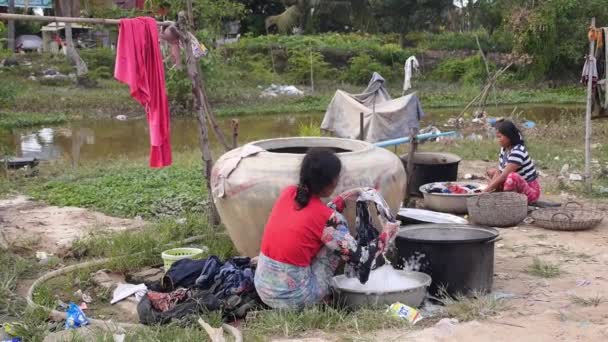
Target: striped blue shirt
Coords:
[[518, 155]]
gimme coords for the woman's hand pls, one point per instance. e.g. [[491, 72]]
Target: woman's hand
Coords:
[[353, 194]]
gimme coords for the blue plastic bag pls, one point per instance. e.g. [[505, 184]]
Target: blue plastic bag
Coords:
[[75, 318]]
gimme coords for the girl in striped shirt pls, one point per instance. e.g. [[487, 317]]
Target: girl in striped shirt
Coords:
[[516, 171]]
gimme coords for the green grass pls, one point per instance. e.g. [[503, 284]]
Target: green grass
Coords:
[[285, 324], [10, 120], [589, 301], [12, 267], [127, 188], [543, 269], [477, 306], [144, 246], [309, 130]]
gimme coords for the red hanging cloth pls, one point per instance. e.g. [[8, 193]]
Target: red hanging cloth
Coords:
[[140, 65]]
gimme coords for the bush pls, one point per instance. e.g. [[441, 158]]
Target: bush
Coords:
[[470, 70], [360, 69], [179, 90], [102, 72], [459, 41], [299, 65], [96, 58]]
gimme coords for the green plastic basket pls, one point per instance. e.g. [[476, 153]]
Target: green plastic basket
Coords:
[[172, 255]]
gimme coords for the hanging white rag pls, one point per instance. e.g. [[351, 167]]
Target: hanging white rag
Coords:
[[124, 291], [411, 65], [589, 70]]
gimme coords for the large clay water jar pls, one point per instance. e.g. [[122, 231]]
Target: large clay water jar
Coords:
[[250, 190]]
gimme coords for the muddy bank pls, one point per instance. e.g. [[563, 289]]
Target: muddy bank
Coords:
[[30, 226]]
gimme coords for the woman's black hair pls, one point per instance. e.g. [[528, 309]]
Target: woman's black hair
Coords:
[[509, 130], [320, 168]]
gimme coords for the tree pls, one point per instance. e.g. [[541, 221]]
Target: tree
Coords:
[[554, 32], [402, 16], [256, 12]]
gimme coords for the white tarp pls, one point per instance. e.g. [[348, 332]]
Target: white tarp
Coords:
[[383, 117]]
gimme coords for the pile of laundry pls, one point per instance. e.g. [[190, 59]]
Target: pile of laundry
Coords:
[[451, 188], [191, 287]]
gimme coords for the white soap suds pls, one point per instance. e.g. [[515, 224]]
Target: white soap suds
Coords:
[[382, 279]]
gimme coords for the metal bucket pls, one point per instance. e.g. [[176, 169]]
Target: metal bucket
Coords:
[[431, 167]]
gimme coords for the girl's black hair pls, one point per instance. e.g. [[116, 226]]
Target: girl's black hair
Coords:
[[320, 168], [509, 130]]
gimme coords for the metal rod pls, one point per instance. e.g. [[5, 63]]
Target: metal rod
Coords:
[[97, 21], [419, 137], [588, 176]]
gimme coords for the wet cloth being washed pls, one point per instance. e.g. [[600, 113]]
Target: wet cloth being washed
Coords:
[[140, 65]]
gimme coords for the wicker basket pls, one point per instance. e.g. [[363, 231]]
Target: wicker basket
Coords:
[[499, 209], [567, 218]]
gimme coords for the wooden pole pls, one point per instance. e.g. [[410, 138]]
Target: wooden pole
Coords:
[[361, 127], [193, 71], [588, 176], [95, 21], [11, 27], [235, 132], [410, 166]]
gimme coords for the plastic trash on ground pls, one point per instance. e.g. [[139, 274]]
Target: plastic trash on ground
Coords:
[[406, 312], [76, 318]]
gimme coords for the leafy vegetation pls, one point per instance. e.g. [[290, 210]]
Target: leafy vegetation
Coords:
[[470, 70], [128, 189]]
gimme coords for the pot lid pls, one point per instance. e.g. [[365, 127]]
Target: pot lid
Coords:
[[429, 216], [446, 233]]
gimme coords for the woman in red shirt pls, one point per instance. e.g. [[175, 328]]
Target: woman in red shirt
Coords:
[[304, 239]]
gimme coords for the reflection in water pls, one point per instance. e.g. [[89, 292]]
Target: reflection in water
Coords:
[[107, 139]]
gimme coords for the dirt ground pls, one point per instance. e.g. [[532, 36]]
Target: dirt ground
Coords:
[[540, 309], [30, 226]]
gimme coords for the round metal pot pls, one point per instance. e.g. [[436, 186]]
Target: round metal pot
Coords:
[[459, 258]]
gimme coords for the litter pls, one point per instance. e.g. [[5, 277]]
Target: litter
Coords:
[[75, 317], [281, 90], [86, 298], [583, 282], [83, 306], [42, 255], [575, 177], [406, 312], [124, 291]]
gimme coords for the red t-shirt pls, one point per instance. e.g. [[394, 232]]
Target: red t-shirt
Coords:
[[293, 236]]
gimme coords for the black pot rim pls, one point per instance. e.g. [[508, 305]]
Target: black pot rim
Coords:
[[494, 234]]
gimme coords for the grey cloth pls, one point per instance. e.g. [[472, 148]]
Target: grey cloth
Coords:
[[383, 118]]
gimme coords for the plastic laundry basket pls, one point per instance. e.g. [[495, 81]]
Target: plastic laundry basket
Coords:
[[172, 255]]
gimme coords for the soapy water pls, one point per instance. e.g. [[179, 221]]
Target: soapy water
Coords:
[[382, 279]]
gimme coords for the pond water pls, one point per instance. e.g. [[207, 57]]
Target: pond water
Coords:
[[95, 140]]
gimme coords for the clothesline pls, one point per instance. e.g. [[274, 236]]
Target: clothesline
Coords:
[[96, 21]]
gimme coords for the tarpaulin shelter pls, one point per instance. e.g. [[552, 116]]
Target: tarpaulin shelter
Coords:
[[383, 118]]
